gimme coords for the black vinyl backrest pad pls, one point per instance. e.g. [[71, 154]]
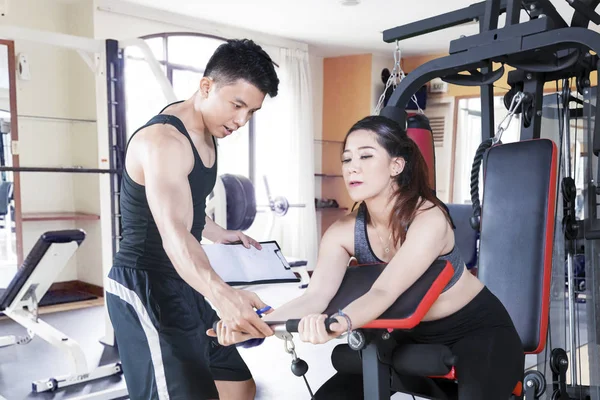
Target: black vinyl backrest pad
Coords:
[[517, 233], [409, 309], [33, 259], [465, 237]]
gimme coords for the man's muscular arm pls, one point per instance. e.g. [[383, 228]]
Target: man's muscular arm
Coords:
[[212, 231], [166, 161]]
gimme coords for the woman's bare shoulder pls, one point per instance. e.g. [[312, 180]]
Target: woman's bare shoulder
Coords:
[[342, 231]]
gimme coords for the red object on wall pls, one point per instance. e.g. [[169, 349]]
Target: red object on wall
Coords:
[[419, 130]]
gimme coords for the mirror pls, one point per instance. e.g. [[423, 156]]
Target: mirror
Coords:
[[10, 247]]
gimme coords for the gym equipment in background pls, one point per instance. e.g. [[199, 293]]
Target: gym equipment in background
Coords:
[[233, 205], [505, 266], [19, 301], [542, 49], [418, 129]]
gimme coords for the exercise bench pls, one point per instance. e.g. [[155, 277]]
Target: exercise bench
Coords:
[[19, 301], [515, 262]]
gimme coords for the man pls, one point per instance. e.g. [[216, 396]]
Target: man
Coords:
[[161, 277]]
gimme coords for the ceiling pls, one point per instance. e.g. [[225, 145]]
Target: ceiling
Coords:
[[331, 28]]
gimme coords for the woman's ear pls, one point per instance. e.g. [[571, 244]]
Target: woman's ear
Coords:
[[397, 166]]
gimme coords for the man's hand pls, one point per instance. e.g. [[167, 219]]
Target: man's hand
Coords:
[[236, 309], [227, 336], [237, 236]]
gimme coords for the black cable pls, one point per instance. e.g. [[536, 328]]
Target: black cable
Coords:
[[312, 396], [483, 147], [562, 106], [575, 156]]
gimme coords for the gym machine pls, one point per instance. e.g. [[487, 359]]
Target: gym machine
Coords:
[[543, 49], [19, 301], [528, 189]]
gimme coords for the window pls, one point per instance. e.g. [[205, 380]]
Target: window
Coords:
[[182, 58], [468, 139]]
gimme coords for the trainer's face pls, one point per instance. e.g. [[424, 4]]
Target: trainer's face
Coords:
[[226, 108], [367, 167]]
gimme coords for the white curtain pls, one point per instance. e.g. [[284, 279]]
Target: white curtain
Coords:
[[285, 155], [468, 139]]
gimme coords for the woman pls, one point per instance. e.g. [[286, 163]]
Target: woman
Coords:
[[400, 222]]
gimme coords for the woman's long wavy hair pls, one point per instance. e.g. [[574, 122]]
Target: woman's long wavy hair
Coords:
[[412, 183]]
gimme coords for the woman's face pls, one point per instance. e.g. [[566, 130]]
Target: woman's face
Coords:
[[367, 167]]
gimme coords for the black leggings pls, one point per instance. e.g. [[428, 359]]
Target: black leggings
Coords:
[[490, 356]]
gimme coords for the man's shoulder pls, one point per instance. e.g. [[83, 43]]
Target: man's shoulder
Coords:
[[161, 136], [161, 144]]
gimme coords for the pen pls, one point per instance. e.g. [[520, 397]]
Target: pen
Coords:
[[263, 310]]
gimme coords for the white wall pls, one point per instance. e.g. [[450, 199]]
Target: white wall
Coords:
[[61, 86], [84, 143], [4, 82], [378, 63], [43, 143]]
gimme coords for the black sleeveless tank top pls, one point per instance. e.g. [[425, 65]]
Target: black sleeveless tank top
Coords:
[[363, 252], [141, 244]]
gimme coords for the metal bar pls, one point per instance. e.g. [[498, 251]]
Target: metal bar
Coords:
[[487, 98], [112, 78], [538, 7], [65, 170], [466, 15], [500, 35], [472, 59], [581, 20], [586, 11], [592, 248], [513, 12], [596, 135], [534, 85], [57, 119], [51, 38], [487, 113], [566, 145], [487, 109], [376, 375], [120, 139], [63, 119], [419, 77], [161, 78], [490, 16]]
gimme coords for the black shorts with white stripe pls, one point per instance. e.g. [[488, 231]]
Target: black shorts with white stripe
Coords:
[[160, 325]]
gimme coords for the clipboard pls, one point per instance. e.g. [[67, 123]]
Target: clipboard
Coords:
[[239, 266]]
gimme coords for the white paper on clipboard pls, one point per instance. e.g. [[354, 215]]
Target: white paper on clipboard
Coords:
[[238, 265]]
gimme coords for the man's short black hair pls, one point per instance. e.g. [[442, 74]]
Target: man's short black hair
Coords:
[[243, 59]]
